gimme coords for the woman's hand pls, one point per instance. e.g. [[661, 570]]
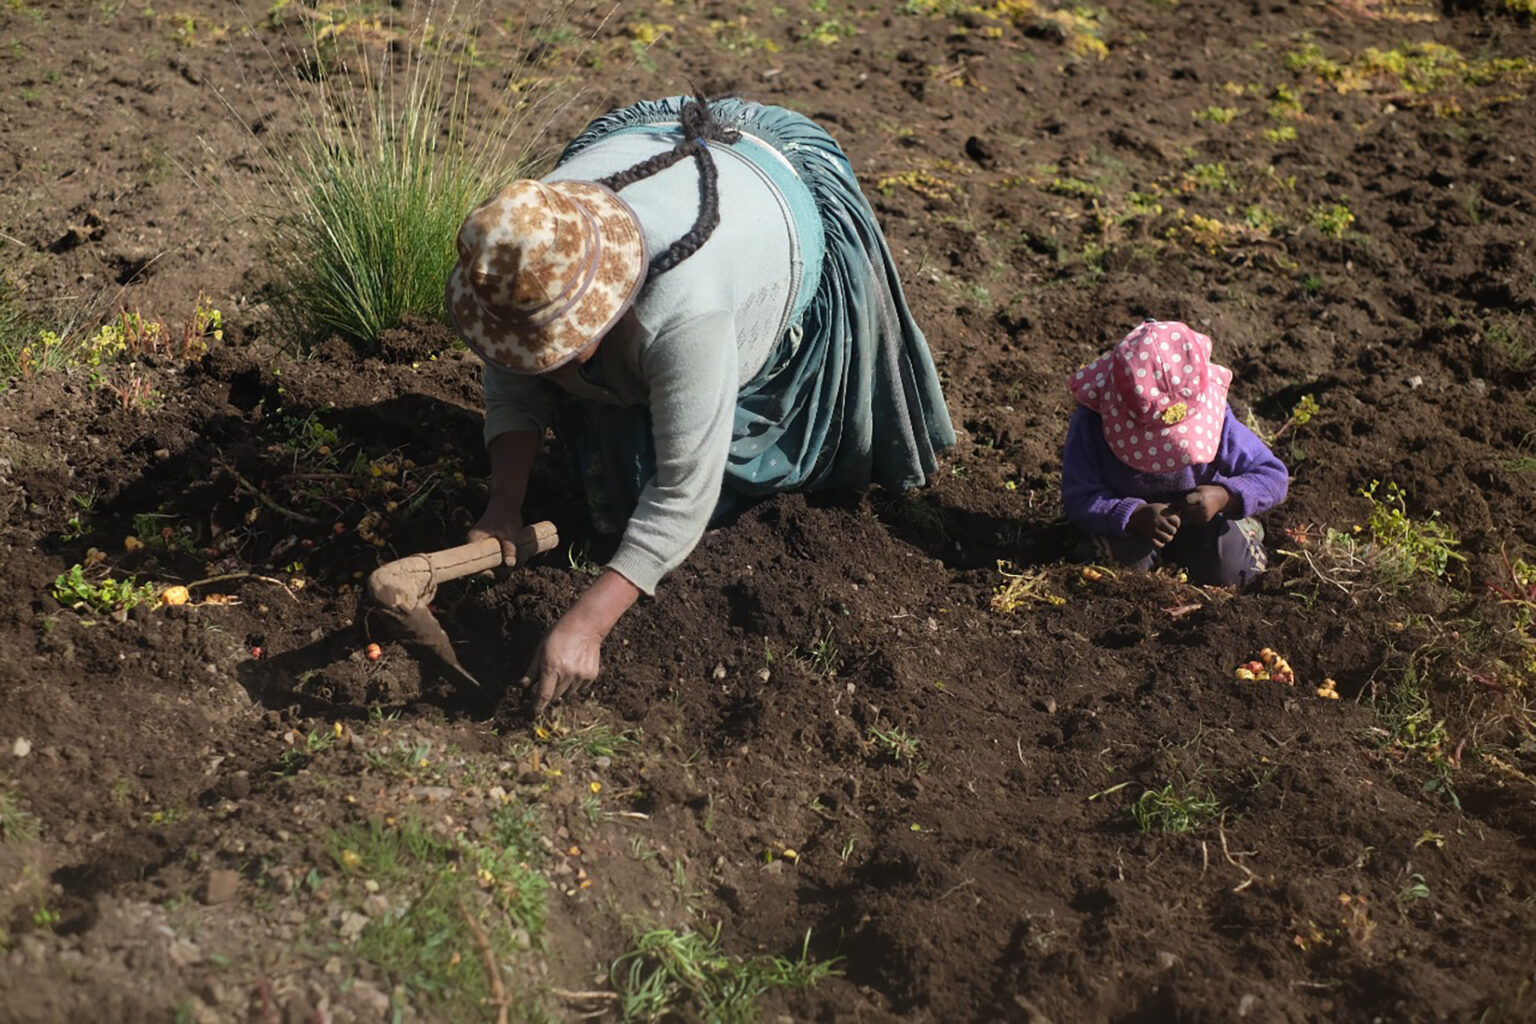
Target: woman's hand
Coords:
[[1155, 522], [570, 655], [567, 659], [503, 520], [511, 460], [1203, 504]]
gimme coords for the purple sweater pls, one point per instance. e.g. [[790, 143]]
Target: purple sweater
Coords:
[[1099, 492]]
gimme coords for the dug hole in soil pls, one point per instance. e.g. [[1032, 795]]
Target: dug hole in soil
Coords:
[[829, 723]]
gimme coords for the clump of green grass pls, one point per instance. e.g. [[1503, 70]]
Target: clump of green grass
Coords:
[[683, 975], [1172, 812], [16, 329], [372, 197], [16, 823], [458, 910]]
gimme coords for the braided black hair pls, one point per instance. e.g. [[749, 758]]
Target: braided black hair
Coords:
[[699, 129]]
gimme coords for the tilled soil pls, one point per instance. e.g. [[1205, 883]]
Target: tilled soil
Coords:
[[1370, 858]]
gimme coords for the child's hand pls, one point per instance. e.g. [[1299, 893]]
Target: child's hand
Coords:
[[1155, 522], [1203, 504]]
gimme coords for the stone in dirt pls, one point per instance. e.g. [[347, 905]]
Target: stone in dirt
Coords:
[[220, 886]]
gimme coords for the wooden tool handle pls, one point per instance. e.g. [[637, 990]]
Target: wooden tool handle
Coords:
[[412, 581], [479, 555]]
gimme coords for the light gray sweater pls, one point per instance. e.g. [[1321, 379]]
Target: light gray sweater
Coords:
[[700, 331]]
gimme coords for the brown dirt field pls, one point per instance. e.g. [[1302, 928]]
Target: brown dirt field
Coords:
[[1374, 858]]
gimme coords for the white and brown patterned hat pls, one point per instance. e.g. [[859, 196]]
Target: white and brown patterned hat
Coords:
[[545, 268]]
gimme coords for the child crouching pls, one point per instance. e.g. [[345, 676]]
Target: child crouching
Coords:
[[1157, 470]]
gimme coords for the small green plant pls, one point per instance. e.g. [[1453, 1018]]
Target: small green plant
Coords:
[[45, 917], [75, 526], [1414, 889], [1217, 115], [517, 828], [1384, 555], [1418, 547], [73, 590], [1211, 177], [676, 975], [1171, 812], [822, 657], [578, 558], [894, 744], [18, 330], [16, 823], [1301, 414], [155, 530], [1332, 219], [1283, 133]]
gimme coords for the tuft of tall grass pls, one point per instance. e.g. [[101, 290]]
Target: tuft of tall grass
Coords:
[[371, 198], [16, 330]]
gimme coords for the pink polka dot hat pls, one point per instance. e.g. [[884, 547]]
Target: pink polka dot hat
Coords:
[[1162, 399]]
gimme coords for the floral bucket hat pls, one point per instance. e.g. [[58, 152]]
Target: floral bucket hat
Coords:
[[544, 269], [1161, 398]]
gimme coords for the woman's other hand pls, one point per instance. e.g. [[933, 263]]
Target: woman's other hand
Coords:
[[1154, 522]]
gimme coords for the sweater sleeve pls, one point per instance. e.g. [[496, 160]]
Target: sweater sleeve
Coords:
[[691, 373], [1255, 477], [1087, 498], [516, 401]]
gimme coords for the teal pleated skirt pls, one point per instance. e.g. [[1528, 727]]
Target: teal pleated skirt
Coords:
[[849, 395]]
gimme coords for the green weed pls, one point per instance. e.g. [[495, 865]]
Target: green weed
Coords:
[[1383, 556], [1217, 115], [1211, 177], [105, 596], [671, 975], [1416, 547], [896, 745], [580, 560], [1172, 812], [1332, 219], [516, 828], [597, 740], [1285, 105], [1414, 889], [822, 657]]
